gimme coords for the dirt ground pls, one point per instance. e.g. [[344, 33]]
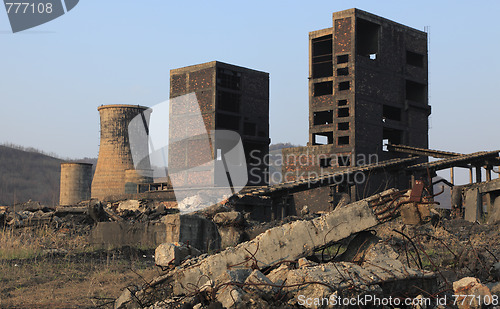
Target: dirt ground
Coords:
[[56, 268], [41, 268], [84, 280]]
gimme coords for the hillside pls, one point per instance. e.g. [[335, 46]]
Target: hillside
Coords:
[[28, 174], [279, 146]]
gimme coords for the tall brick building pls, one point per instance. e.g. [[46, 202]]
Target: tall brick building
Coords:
[[229, 98], [368, 86], [368, 83]]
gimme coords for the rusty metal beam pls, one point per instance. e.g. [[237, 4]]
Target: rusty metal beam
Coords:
[[494, 161], [326, 179], [422, 151], [476, 158]]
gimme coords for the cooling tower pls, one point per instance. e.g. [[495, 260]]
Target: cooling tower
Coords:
[[115, 156], [76, 179]]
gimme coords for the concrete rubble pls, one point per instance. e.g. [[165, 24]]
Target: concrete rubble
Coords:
[[221, 257], [228, 218], [471, 293], [282, 263], [31, 214], [287, 242], [167, 254]]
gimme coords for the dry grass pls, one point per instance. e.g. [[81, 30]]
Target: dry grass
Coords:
[[30, 242], [77, 276], [49, 283]]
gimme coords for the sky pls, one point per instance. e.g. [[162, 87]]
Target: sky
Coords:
[[54, 76]]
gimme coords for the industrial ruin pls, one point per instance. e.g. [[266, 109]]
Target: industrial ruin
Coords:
[[362, 187], [230, 98], [115, 167]]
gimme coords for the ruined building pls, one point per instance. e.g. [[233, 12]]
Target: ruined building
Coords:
[[367, 84], [115, 172], [368, 81], [229, 98]]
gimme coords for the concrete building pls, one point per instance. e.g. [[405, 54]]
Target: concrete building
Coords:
[[368, 87], [229, 98], [368, 84]]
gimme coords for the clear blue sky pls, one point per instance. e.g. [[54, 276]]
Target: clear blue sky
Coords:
[[54, 76]]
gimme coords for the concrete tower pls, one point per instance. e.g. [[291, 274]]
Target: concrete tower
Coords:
[[230, 98], [76, 179], [368, 81], [115, 155], [367, 86]]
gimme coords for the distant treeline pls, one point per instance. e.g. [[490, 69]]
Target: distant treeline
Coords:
[[31, 149]]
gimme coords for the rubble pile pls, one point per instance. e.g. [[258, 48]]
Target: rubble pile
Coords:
[[325, 261], [292, 264], [392, 245], [85, 213], [34, 214]]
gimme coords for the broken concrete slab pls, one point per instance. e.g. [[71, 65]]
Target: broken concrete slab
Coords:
[[228, 218], [287, 242], [234, 275], [278, 275], [323, 280], [131, 205], [174, 253], [230, 236], [199, 200], [383, 255], [126, 298], [230, 295], [473, 205], [257, 281], [468, 286], [303, 262]]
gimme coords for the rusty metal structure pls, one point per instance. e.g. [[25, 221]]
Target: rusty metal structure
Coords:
[[76, 179], [115, 162]]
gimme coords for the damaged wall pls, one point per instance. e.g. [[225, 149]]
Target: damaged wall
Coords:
[[199, 232]]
